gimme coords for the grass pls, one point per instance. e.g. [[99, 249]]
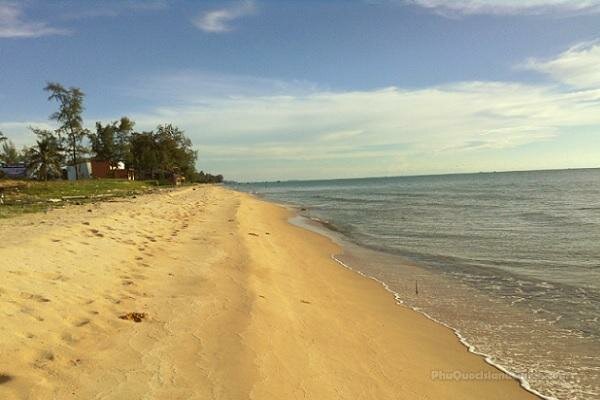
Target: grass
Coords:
[[22, 197]]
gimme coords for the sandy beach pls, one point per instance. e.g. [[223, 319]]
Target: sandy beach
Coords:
[[233, 302]]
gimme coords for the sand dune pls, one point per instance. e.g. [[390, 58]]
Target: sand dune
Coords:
[[232, 303]]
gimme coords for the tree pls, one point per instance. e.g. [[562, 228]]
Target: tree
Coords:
[[111, 142], [201, 177], [2, 137], [45, 157], [123, 141], [9, 153], [70, 108], [175, 150], [144, 153], [166, 151], [103, 142]]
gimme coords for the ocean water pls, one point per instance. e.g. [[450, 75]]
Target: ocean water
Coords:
[[511, 261]]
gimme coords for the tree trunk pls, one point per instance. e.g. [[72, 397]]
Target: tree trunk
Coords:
[[74, 149]]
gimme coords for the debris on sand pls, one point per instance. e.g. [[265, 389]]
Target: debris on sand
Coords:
[[134, 316], [253, 234], [5, 378]]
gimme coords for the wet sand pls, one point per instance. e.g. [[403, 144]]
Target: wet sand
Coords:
[[210, 294]]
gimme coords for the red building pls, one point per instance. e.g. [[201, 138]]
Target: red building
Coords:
[[103, 170]]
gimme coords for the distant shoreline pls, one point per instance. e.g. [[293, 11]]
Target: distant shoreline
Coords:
[[233, 183]]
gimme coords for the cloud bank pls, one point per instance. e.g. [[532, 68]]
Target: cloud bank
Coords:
[[388, 131], [256, 128], [578, 67], [219, 21]]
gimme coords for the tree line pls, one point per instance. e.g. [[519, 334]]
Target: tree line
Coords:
[[155, 154]]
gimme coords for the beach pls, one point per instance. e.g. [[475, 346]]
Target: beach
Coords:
[[208, 293]]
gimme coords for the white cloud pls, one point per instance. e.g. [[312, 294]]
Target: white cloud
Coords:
[[218, 21], [13, 24], [190, 86], [379, 132], [255, 128], [508, 7], [20, 133], [579, 66], [248, 133]]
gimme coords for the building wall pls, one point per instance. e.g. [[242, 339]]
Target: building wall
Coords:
[[14, 170], [100, 169], [83, 169]]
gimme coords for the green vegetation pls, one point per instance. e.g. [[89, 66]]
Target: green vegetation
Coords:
[[70, 131], [9, 152], [162, 154], [44, 158], [157, 156], [111, 142], [31, 196]]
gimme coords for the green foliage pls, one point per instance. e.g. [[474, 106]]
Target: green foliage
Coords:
[[122, 140], [70, 108], [9, 153], [201, 177], [158, 154], [111, 142], [144, 152], [34, 196], [166, 151], [45, 157], [103, 142]]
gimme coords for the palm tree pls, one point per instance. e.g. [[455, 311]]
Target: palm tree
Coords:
[[45, 157], [9, 153]]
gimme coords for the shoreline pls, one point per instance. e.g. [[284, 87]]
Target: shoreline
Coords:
[[227, 290], [327, 230], [331, 235], [486, 357]]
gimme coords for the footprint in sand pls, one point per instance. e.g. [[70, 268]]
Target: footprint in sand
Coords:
[[68, 338], [44, 358], [96, 233], [112, 299], [81, 322], [35, 297]]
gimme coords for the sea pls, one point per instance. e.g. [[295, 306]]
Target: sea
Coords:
[[510, 261]]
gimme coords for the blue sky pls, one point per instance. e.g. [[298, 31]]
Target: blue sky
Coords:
[[321, 89]]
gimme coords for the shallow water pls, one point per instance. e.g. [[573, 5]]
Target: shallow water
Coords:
[[510, 260]]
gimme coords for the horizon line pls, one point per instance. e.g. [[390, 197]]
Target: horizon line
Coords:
[[414, 176]]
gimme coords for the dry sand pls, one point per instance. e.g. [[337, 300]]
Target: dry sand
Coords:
[[234, 303]]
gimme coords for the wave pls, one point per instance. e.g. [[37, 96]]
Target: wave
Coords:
[[487, 358]]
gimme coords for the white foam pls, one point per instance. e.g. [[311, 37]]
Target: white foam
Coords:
[[488, 359], [298, 220]]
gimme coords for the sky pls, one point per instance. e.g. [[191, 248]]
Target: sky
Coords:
[[315, 89]]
